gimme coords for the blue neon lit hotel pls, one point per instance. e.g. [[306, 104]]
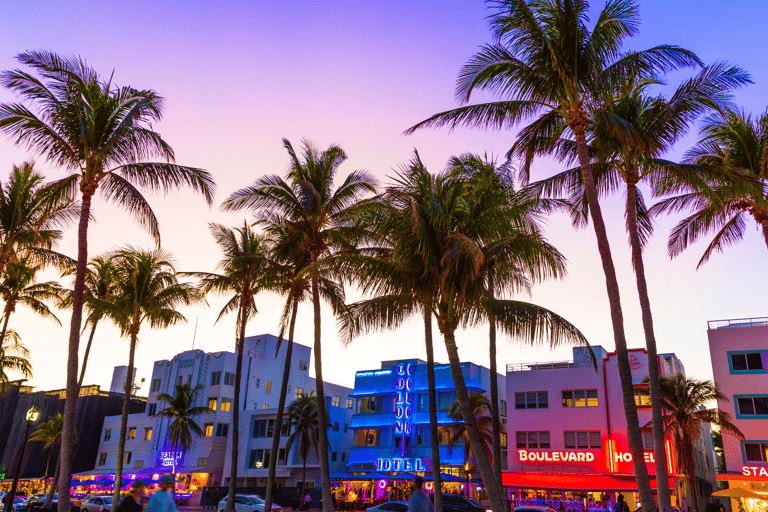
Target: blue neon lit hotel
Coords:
[[391, 417]]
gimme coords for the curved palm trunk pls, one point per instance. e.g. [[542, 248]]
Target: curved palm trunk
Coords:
[[765, 232], [243, 317], [54, 483], [467, 491], [434, 441], [47, 466], [495, 416], [7, 315], [280, 410], [470, 423], [73, 350], [322, 419], [304, 477], [85, 356], [617, 320], [660, 455], [689, 466], [127, 389]]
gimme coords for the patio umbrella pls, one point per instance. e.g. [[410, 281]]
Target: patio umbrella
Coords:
[[403, 476], [451, 478], [738, 492], [342, 476]]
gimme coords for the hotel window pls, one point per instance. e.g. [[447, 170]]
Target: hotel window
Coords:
[[259, 458], [752, 405], [226, 404], [215, 378], [336, 426], [747, 362], [266, 406], [756, 451], [343, 457], [350, 403], [503, 436], [583, 439], [208, 429], [286, 430], [298, 392], [127, 457], [445, 399], [102, 458], [268, 387], [642, 398], [229, 379], [258, 383], [580, 398], [259, 428], [422, 402], [336, 401], [131, 433], [369, 404], [444, 435], [367, 437], [108, 434], [222, 429], [212, 403], [346, 427], [156, 384], [148, 433], [151, 409], [333, 456], [202, 462], [503, 407], [138, 464], [422, 434], [282, 455], [532, 439], [303, 365], [532, 400]]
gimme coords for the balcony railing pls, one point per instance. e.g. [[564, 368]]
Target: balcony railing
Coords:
[[737, 322], [551, 365]]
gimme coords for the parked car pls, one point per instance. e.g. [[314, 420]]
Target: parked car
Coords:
[[36, 501], [19, 504], [247, 503], [94, 503], [79, 499], [393, 506], [458, 503]]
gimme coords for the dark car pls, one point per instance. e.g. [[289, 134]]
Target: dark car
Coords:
[[458, 503], [37, 501]]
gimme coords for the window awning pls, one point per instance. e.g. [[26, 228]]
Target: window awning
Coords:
[[573, 482]]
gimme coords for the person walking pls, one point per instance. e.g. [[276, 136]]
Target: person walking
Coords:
[[131, 502], [419, 501], [163, 500], [621, 505]]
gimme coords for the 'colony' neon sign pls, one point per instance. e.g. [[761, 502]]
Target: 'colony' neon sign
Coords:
[[400, 464], [403, 404]]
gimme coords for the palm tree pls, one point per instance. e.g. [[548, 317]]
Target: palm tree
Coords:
[[304, 425], [31, 215], [322, 221], [547, 62], [726, 184], [684, 401], [182, 411], [103, 134], [651, 125], [481, 406], [146, 291], [18, 288], [48, 433], [245, 270], [14, 357]]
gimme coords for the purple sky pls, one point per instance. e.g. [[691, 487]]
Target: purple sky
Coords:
[[239, 76]]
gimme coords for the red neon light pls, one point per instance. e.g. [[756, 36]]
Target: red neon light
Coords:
[[754, 471], [668, 448]]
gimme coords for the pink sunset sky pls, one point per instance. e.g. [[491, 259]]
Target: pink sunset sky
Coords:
[[239, 76]]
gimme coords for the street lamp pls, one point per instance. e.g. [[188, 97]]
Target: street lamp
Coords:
[[32, 415]]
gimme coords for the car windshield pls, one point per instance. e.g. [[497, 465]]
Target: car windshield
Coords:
[[472, 501], [107, 499], [257, 500]]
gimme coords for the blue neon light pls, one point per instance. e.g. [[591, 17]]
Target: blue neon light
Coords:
[[400, 464]]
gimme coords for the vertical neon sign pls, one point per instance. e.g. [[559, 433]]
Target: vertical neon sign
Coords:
[[403, 402]]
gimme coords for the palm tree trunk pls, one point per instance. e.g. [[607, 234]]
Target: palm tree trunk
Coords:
[[243, 318], [280, 410], [470, 424], [54, 483], [765, 232], [466, 470], [660, 455], [73, 349], [325, 474], [85, 356], [127, 390], [617, 320], [495, 416], [689, 464], [47, 466], [7, 316], [304, 476], [431, 391]]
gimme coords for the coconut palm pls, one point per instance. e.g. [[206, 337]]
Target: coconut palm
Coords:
[[684, 400], [303, 420], [14, 357], [322, 221], [182, 411], [651, 125], [103, 134], [146, 291], [48, 433], [245, 272], [18, 288], [481, 406], [726, 185], [547, 62]]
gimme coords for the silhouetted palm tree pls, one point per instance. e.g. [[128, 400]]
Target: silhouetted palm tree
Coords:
[[48, 433], [182, 411], [304, 424], [481, 406]]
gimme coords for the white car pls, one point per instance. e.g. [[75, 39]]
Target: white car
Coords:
[[95, 504], [390, 506], [248, 503]]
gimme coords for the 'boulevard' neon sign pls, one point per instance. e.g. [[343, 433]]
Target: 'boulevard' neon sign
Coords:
[[555, 456], [400, 464]]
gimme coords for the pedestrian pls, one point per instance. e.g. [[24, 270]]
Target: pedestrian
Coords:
[[621, 505], [307, 500], [163, 500], [132, 500], [419, 501]]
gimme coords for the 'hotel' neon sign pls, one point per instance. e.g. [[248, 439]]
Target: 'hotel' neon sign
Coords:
[[552, 456], [400, 464]]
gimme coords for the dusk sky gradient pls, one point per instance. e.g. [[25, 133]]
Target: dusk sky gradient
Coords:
[[239, 76]]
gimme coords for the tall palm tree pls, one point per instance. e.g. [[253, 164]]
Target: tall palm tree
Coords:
[[103, 134], [304, 424], [146, 291], [684, 401], [322, 221], [727, 182], [14, 357], [245, 271], [48, 433], [18, 288], [32, 214], [481, 406], [182, 411], [547, 62], [651, 125]]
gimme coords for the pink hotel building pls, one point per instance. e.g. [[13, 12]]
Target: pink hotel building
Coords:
[[568, 435], [739, 352]]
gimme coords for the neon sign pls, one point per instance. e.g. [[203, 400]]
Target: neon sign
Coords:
[[169, 459], [400, 464], [754, 471], [403, 402], [634, 363], [552, 456]]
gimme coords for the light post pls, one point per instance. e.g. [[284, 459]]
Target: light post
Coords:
[[32, 416]]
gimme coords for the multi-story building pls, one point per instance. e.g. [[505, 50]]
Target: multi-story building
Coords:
[[567, 425], [739, 352], [147, 450]]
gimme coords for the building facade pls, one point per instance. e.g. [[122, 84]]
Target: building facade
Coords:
[[739, 353]]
